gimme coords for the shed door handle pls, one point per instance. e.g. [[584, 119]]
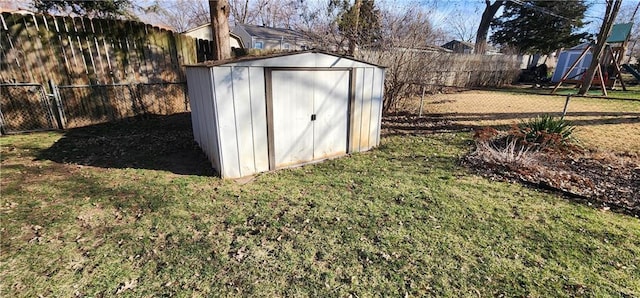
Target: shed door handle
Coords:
[[313, 117]]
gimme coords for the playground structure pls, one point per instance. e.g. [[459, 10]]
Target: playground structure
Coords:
[[632, 71], [608, 72]]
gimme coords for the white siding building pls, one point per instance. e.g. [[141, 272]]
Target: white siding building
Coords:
[[259, 114]]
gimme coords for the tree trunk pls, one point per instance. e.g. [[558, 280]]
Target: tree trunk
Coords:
[[353, 39], [485, 22], [220, 29], [607, 23]]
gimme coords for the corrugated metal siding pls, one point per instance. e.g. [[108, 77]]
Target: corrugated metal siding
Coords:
[[292, 108], [241, 118], [565, 60], [229, 118], [242, 111], [259, 119], [376, 106], [365, 119], [223, 82], [331, 106], [203, 115], [367, 109], [357, 111]]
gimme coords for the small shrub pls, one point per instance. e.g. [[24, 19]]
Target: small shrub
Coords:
[[544, 131], [485, 133]]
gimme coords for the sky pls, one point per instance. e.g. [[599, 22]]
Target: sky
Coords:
[[442, 11]]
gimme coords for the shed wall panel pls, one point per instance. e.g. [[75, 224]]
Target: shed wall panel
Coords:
[[243, 120], [194, 91], [565, 60], [376, 106], [209, 119], [330, 102], [292, 109], [201, 92], [223, 81], [259, 118], [365, 119], [356, 111]]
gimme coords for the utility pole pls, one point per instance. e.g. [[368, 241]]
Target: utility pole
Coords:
[[219, 11], [613, 6]]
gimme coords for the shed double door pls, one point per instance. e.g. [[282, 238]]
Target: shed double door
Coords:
[[310, 110]]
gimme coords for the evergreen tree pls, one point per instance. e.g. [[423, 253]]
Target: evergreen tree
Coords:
[[359, 22], [540, 26]]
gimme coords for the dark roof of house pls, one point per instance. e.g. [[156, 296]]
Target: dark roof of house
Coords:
[[207, 25], [464, 43], [269, 32]]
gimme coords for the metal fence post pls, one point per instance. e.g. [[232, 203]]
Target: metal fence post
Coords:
[[421, 101], [566, 103], [60, 116]]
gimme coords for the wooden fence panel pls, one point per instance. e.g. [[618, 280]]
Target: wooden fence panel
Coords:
[[81, 51], [104, 69]]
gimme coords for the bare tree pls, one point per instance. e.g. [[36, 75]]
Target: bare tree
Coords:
[[271, 13], [630, 13], [407, 33], [182, 15], [461, 28], [220, 29], [409, 28], [490, 11], [240, 11]]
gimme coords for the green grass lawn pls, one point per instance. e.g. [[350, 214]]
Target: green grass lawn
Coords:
[[403, 219]]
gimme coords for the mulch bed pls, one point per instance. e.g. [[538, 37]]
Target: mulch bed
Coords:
[[602, 180], [605, 181]]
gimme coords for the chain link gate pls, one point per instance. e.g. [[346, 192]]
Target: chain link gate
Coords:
[[25, 107]]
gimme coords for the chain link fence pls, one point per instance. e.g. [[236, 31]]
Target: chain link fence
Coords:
[[25, 107], [28, 107], [90, 104]]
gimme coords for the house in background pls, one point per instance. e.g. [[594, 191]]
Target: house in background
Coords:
[[204, 32], [268, 38], [460, 47], [464, 47], [423, 49]]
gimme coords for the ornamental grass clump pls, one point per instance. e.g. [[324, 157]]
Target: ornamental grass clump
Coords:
[[544, 132], [521, 145]]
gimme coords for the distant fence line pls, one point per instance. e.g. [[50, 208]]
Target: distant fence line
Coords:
[[412, 72], [86, 62]]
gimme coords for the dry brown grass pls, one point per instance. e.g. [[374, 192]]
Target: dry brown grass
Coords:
[[607, 125]]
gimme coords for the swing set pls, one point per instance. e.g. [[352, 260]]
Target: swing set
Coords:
[[608, 72]]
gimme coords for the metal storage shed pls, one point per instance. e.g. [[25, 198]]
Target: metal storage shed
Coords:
[[567, 58], [258, 114]]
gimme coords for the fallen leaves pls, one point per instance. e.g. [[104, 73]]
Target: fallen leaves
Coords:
[[611, 181], [127, 285]]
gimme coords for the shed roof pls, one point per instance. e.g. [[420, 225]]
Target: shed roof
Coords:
[[277, 55]]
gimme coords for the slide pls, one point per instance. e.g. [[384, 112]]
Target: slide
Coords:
[[632, 71]]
